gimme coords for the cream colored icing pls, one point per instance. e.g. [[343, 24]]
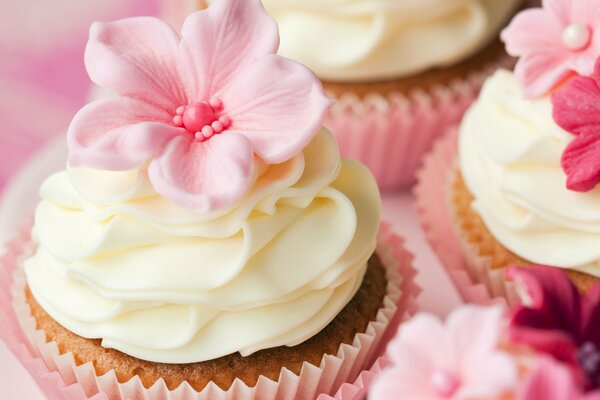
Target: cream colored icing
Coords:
[[509, 151], [359, 40], [160, 283]]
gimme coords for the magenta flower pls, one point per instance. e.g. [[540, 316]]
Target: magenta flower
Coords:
[[553, 42], [557, 320], [576, 108], [458, 360], [551, 380], [197, 108]]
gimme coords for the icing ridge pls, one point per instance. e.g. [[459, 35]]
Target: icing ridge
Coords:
[[512, 168]]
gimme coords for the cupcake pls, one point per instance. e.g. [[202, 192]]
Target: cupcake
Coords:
[[544, 349], [400, 71], [525, 188], [206, 238]]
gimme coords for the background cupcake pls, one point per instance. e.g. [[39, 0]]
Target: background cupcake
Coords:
[[525, 188]]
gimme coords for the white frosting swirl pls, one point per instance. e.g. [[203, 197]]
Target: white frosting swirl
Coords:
[[510, 150], [359, 40], [160, 283]]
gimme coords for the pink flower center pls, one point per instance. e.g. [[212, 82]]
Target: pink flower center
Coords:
[[577, 36], [202, 119], [444, 383]]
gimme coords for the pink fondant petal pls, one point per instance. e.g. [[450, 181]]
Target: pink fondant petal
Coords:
[[137, 57], [532, 30], [576, 107], [392, 384], [540, 72], [426, 335], [278, 105], [581, 162], [549, 381], [475, 331], [219, 43], [204, 176], [118, 133], [584, 10], [490, 376], [560, 9], [551, 320]]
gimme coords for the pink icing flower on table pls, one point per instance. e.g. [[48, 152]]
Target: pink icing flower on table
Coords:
[[551, 380], [458, 360], [553, 42], [557, 320], [198, 108], [576, 108]]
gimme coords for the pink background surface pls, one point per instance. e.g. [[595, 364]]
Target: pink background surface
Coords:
[[43, 82]]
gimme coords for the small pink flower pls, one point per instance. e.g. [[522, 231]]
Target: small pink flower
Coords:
[[458, 360], [551, 380], [557, 320], [553, 42], [198, 108], [576, 108]]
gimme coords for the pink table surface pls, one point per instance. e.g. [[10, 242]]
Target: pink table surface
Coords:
[[439, 295]]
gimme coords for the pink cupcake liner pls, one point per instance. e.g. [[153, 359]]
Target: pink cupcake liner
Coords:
[[472, 274], [391, 134], [345, 376]]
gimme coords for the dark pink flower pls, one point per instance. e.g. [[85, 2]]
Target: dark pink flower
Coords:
[[576, 108], [199, 108], [551, 380], [557, 320]]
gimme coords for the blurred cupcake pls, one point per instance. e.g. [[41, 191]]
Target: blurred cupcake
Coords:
[[176, 255], [401, 71], [526, 186]]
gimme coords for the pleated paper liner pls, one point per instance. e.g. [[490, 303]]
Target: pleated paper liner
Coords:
[[345, 376], [390, 134], [467, 265]]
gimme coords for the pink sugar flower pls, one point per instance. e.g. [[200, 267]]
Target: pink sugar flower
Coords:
[[553, 42], [551, 380], [576, 108], [458, 360], [557, 320], [197, 108]]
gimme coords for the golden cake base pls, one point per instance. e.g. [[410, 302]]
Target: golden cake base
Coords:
[[473, 230], [353, 319]]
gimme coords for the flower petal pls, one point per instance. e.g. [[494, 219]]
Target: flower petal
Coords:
[[279, 105], [426, 336], [539, 72], [223, 39], [137, 57], [475, 331], [549, 381], [560, 9], [576, 107], [489, 377], [204, 176], [118, 133], [531, 31], [581, 162], [392, 384], [551, 319]]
